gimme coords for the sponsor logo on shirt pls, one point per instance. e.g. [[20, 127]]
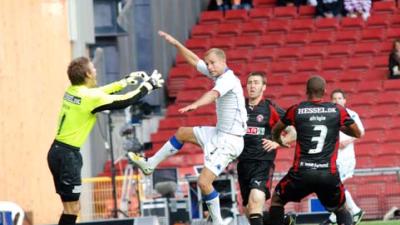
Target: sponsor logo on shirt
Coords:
[[316, 110], [255, 130], [314, 165], [317, 118], [73, 99], [260, 118]]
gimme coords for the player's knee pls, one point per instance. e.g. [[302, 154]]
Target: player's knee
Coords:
[[255, 204], [205, 184], [183, 133], [71, 208]]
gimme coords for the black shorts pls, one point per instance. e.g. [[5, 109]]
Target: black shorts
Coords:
[[65, 163], [255, 174], [297, 185]]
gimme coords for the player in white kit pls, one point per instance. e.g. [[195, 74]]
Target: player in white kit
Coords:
[[346, 160], [221, 144]]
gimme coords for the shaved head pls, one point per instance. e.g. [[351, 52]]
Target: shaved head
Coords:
[[218, 52], [316, 87]]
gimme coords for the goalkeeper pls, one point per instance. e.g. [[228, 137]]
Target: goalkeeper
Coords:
[[82, 100]]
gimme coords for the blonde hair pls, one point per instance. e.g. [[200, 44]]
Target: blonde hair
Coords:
[[218, 52]]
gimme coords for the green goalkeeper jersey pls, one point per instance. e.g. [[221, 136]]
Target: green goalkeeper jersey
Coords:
[[80, 104]]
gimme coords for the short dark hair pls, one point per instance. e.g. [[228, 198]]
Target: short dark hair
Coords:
[[259, 74], [338, 90], [78, 69], [316, 87]]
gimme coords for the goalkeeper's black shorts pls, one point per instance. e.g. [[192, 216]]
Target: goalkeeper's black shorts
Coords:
[[65, 163]]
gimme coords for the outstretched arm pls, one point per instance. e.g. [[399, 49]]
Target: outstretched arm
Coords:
[[207, 98], [276, 132], [190, 57]]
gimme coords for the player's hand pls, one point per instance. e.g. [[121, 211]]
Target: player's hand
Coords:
[[188, 108], [168, 37], [269, 145], [156, 80], [132, 78]]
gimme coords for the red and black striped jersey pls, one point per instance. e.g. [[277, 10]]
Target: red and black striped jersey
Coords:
[[317, 125], [261, 119]]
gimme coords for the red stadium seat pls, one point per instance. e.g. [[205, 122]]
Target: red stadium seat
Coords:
[[284, 68], [236, 16], [238, 56], [347, 37], [383, 7], [224, 43], [306, 11], [395, 21], [204, 31], [333, 64], [275, 81], [264, 3], [381, 21], [197, 45], [321, 38], [253, 28], [348, 23], [296, 39], [370, 86], [365, 49], [246, 42], [238, 68], [313, 65], [289, 53], [391, 85], [381, 62], [285, 12], [338, 50], [326, 24], [302, 26], [271, 40], [387, 98], [372, 35], [211, 17], [278, 26], [254, 66], [172, 111], [229, 29], [313, 52], [171, 123], [393, 33], [261, 14], [208, 110], [359, 63], [188, 96], [263, 55]]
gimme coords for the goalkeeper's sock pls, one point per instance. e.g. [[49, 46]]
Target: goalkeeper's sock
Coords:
[[171, 147], [67, 219]]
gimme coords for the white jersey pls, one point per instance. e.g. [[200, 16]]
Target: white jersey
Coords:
[[347, 153], [230, 105]]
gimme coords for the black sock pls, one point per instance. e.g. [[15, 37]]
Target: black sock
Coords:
[[256, 219], [67, 219], [276, 215], [344, 217], [266, 218]]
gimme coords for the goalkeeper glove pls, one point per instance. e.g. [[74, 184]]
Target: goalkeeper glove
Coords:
[[132, 78]]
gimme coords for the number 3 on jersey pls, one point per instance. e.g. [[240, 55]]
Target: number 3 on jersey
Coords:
[[319, 139]]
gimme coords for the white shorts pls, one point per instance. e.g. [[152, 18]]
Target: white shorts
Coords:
[[219, 148], [346, 169]]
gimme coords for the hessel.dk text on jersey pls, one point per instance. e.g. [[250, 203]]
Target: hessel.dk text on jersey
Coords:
[[316, 110]]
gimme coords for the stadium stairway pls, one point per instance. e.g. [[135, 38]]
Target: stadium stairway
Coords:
[[290, 45]]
